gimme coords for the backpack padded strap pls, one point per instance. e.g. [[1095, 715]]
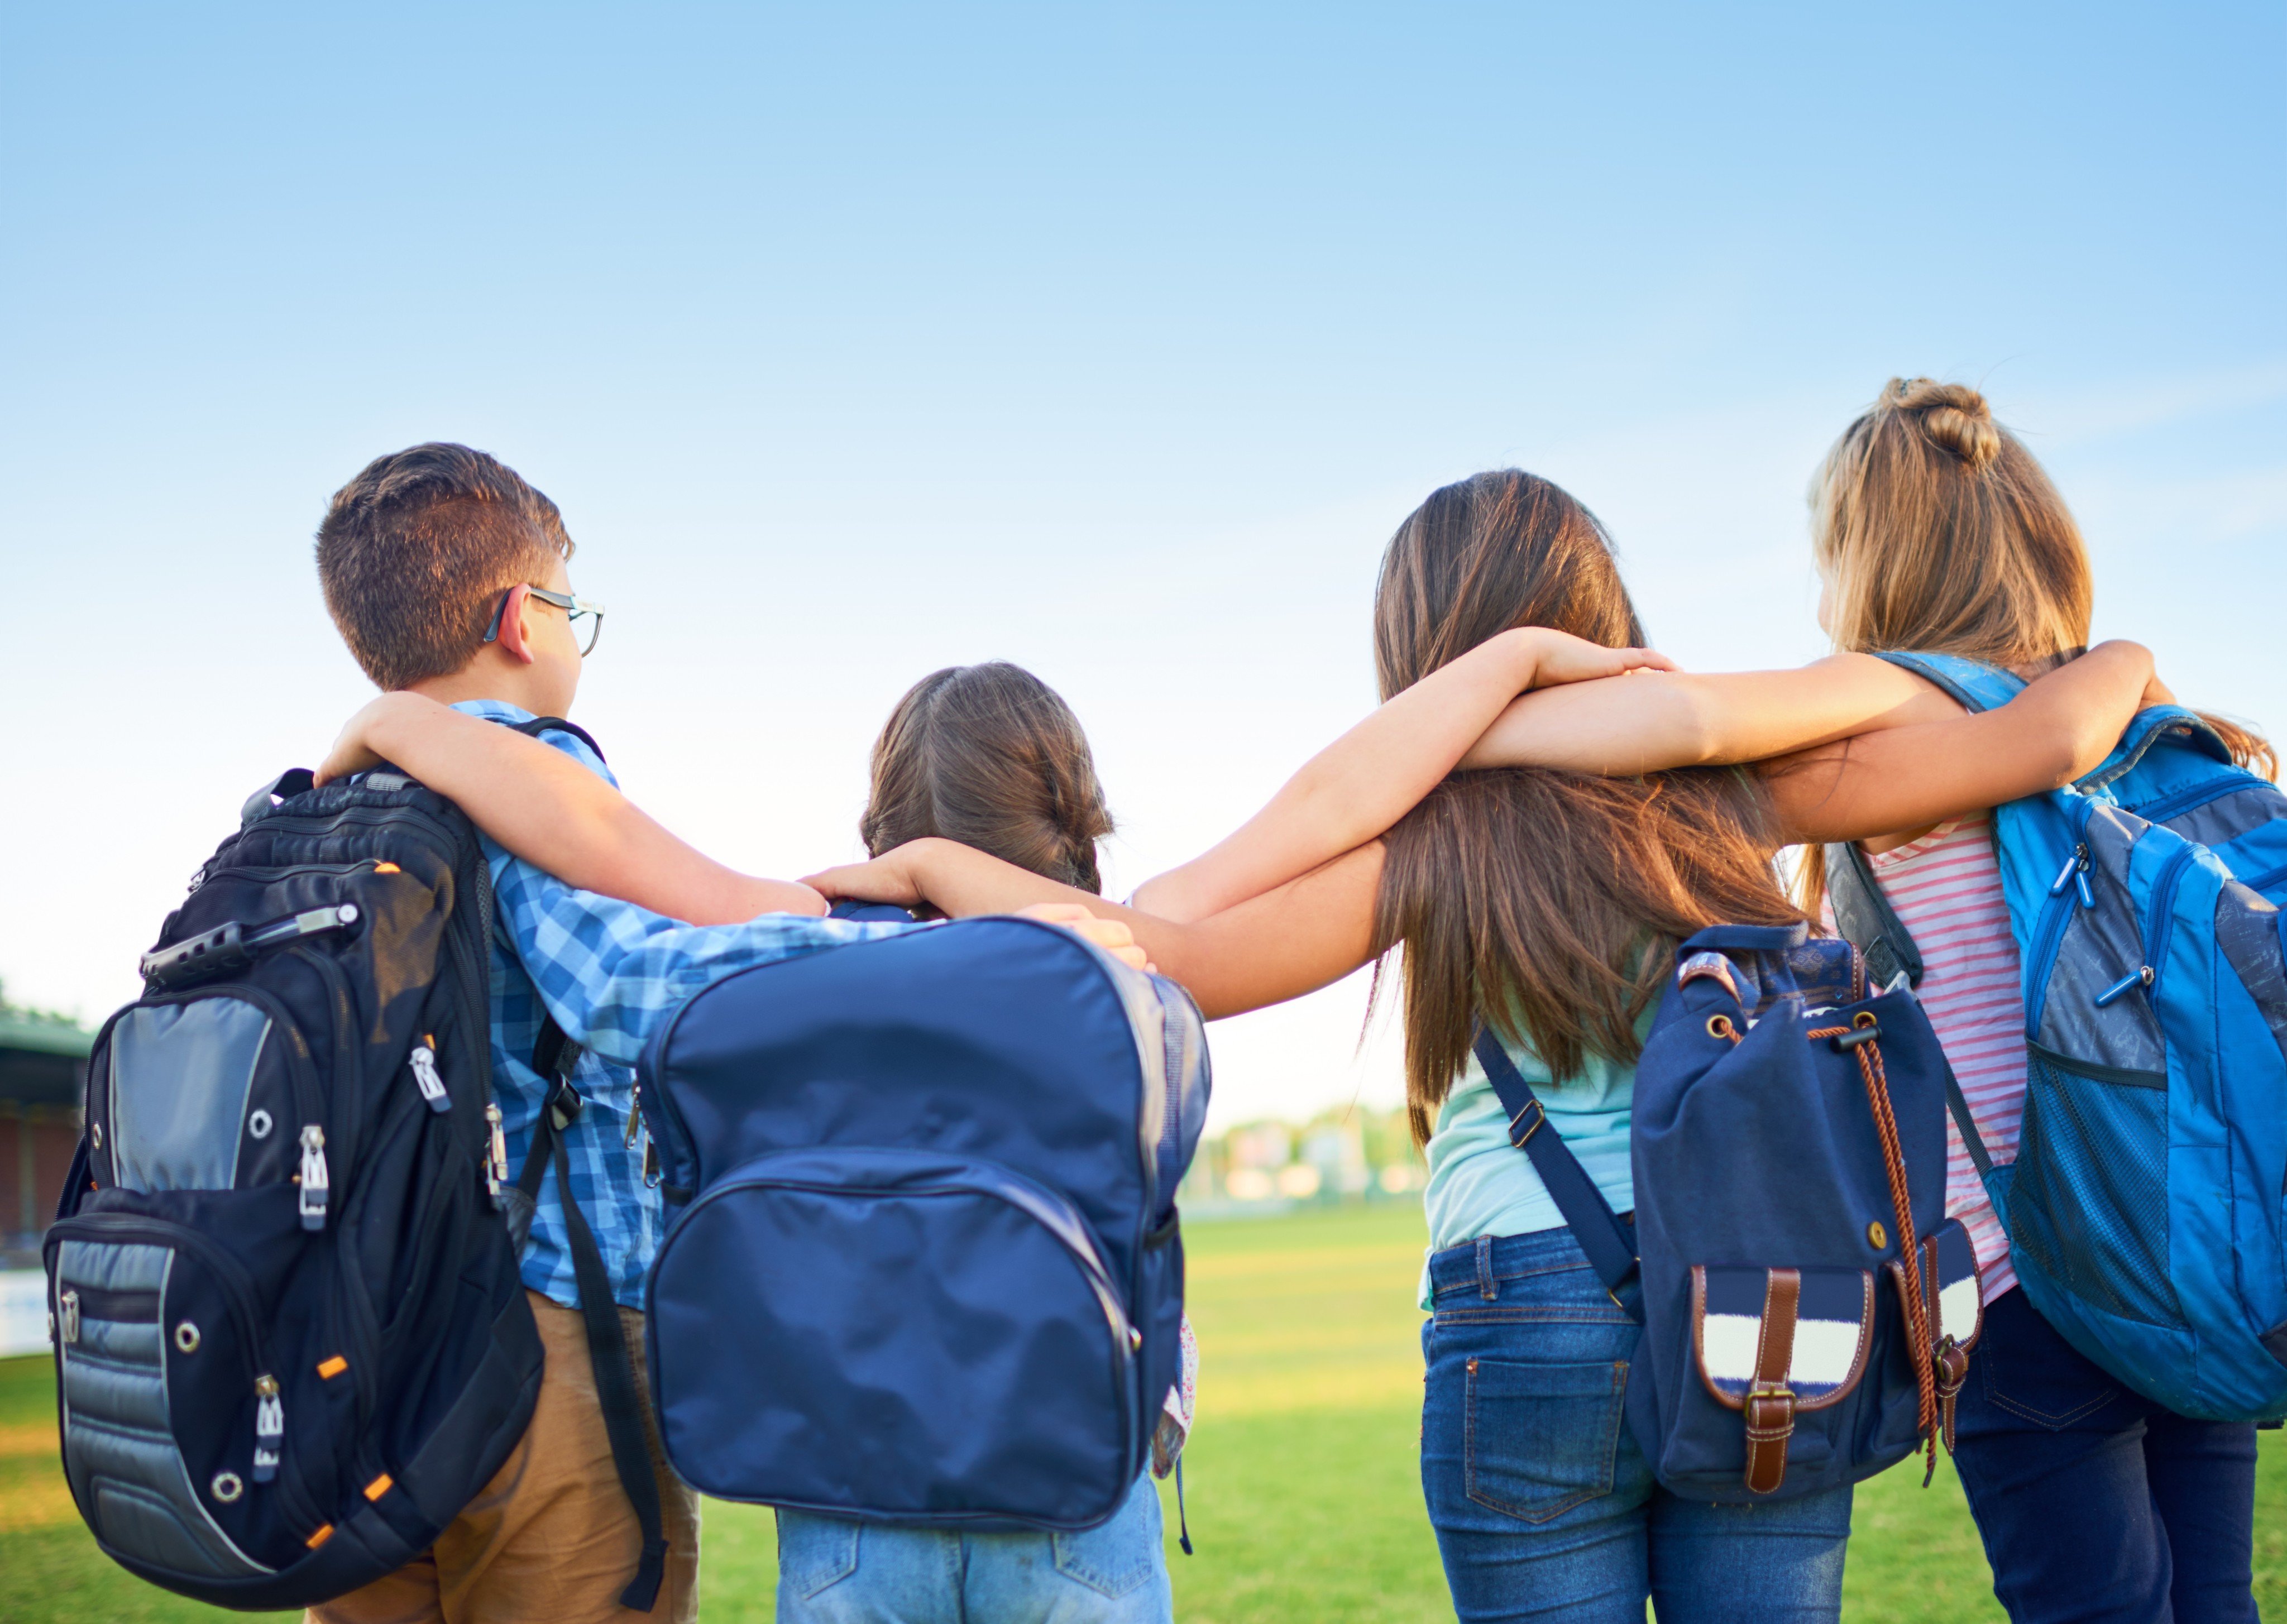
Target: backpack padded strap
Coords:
[[1612, 1249], [1970, 684], [555, 724], [1863, 913]]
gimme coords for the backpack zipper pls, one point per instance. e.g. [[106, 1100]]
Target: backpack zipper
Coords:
[[2160, 924], [2181, 800], [2056, 912]]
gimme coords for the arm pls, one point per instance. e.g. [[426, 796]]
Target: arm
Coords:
[[1619, 730], [1371, 776], [1290, 941], [2062, 726], [553, 812]]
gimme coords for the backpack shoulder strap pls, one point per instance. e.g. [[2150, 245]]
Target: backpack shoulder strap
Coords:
[[557, 725], [1866, 918], [1612, 1249], [1971, 684], [617, 1392]]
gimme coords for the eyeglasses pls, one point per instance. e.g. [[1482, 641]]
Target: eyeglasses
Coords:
[[575, 609]]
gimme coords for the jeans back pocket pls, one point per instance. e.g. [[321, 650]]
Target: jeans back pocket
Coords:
[[1540, 1438]]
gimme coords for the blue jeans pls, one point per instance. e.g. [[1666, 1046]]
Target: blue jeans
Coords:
[[832, 1571], [1544, 1505], [2095, 1502]]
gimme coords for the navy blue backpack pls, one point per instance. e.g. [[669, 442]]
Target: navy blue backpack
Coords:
[[1807, 1308], [924, 1265], [2146, 1206]]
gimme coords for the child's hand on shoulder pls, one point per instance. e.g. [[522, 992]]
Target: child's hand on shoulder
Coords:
[[355, 751], [889, 878], [1559, 657], [1111, 935]]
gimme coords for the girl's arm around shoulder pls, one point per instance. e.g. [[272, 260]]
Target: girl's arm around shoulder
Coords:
[[2062, 726], [1651, 722], [554, 813], [1356, 787], [1292, 939]]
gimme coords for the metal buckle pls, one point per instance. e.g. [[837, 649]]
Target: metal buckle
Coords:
[[1532, 1109]]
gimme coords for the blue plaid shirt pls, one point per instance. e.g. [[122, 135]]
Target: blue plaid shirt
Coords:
[[610, 973]]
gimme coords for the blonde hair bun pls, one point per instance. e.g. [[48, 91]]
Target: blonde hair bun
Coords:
[[1952, 417]]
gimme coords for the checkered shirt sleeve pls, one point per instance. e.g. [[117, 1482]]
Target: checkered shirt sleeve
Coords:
[[610, 973]]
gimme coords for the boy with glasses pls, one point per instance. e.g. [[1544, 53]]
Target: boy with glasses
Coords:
[[447, 574]]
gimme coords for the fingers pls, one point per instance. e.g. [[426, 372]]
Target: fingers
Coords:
[[1646, 659], [874, 882], [1111, 935]]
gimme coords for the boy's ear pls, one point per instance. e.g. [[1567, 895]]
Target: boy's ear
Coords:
[[515, 638]]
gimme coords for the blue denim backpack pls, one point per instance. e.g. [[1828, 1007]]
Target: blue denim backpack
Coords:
[[2147, 1208], [924, 1265], [1807, 1308]]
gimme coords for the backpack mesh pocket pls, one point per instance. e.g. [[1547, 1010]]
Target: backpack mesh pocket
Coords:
[[2089, 1204]]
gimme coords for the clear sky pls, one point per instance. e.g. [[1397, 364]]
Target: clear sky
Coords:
[[1115, 340]]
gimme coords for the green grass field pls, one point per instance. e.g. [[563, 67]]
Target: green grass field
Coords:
[[1303, 1498]]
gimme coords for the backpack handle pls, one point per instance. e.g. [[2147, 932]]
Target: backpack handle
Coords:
[[284, 787]]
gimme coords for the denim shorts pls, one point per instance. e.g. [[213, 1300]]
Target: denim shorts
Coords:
[[1543, 1504], [832, 1571]]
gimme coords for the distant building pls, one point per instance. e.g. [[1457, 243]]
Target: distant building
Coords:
[[42, 1082]]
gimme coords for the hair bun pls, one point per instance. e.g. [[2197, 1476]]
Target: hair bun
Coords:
[[1952, 415]]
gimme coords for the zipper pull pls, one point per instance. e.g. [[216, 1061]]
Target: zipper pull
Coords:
[[496, 1156], [2075, 872], [315, 1184], [424, 1075], [269, 1428], [2140, 977], [69, 1302], [651, 1168], [635, 1114]]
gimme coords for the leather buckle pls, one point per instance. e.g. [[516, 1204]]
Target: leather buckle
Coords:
[[1769, 1423], [1531, 1109]]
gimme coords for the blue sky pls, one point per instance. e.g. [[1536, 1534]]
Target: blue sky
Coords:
[[855, 341]]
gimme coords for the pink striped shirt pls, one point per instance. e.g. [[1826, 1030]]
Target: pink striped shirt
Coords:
[[1946, 888]]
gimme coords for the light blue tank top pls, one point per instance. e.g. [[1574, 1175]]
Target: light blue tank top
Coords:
[[1482, 1184]]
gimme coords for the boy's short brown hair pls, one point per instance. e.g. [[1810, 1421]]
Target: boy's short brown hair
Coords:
[[415, 551]]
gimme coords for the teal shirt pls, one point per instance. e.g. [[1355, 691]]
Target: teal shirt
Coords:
[[1482, 1184]]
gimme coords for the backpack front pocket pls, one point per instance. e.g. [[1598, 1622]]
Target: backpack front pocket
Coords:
[[2089, 1203], [174, 1434], [898, 1335]]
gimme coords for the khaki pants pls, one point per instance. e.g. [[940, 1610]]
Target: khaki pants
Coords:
[[552, 1539]]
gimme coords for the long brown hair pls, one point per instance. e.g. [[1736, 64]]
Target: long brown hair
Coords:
[[991, 757], [1546, 904]]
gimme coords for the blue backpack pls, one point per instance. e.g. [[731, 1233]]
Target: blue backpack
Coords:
[[1807, 1308], [925, 1266], [2147, 1209]]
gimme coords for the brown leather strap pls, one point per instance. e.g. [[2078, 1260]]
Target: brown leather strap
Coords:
[[1949, 1362], [1769, 1408]]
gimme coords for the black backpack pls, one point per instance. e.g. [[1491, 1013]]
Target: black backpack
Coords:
[[292, 1342]]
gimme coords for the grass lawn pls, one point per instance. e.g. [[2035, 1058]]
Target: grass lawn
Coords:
[[1303, 1498]]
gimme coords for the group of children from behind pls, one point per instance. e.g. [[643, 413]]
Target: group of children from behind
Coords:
[[1539, 809]]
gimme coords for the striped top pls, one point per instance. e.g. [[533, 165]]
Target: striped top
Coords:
[[1946, 888]]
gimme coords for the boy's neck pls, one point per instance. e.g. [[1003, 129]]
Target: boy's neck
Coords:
[[528, 688]]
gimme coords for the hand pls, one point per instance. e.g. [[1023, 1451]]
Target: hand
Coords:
[[1111, 935], [889, 878], [351, 752], [1559, 657]]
